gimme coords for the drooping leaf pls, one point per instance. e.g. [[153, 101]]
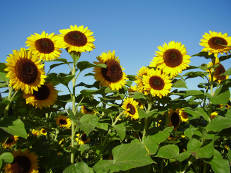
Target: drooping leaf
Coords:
[[221, 96], [121, 130], [143, 114], [7, 157], [14, 127], [82, 65]]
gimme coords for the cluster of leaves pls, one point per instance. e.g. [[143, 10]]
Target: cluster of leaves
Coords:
[[117, 143]]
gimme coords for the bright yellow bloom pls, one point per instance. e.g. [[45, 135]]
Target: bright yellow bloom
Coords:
[[35, 132], [82, 139], [213, 115], [157, 83], [130, 108], [63, 121], [24, 161], [45, 46], [77, 39], [171, 58], [44, 97], [25, 71], [215, 42], [183, 115], [112, 76], [43, 132]]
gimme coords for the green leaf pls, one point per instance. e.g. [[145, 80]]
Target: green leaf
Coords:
[[121, 130], [82, 65], [189, 132], [219, 123], [55, 65], [125, 157], [194, 93], [206, 151], [88, 122], [180, 84], [193, 145], [195, 74], [197, 113], [0, 163], [7, 157], [227, 72], [103, 126], [80, 167], [170, 151], [221, 96], [150, 145], [2, 67], [101, 65], [162, 135], [183, 156], [65, 78], [3, 77], [218, 164], [143, 114], [14, 127], [205, 55], [138, 95]]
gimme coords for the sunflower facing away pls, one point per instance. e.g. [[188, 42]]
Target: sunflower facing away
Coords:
[[77, 39], [157, 83], [44, 97], [10, 141], [112, 76], [46, 47], [217, 71], [174, 118], [130, 108], [215, 42], [63, 121], [24, 161], [171, 58], [25, 71]]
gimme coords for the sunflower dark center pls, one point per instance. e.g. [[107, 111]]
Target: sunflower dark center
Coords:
[[84, 137], [156, 83], [113, 72], [131, 108], [218, 71], [173, 57], [175, 119], [42, 93], [10, 140], [23, 163], [44, 45], [217, 43], [26, 71], [63, 122], [43, 131], [76, 38]]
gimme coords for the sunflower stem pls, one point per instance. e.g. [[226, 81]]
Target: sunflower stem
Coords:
[[75, 59]]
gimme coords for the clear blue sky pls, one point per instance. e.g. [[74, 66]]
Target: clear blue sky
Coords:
[[132, 28]]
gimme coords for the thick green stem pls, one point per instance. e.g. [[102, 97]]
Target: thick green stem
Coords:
[[74, 113]]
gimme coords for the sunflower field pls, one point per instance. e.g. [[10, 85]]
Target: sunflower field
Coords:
[[147, 122]]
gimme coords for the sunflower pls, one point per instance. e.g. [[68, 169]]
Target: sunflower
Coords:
[[82, 139], [214, 42], [25, 71], [113, 75], [217, 71], [77, 39], [45, 46], [24, 161], [43, 131], [183, 115], [157, 83], [171, 58], [44, 97], [174, 118], [35, 132], [63, 121], [86, 110], [130, 108], [213, 115], [143, 71], [10, 141]]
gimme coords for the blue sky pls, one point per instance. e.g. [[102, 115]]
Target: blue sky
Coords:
[[134, 29]]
